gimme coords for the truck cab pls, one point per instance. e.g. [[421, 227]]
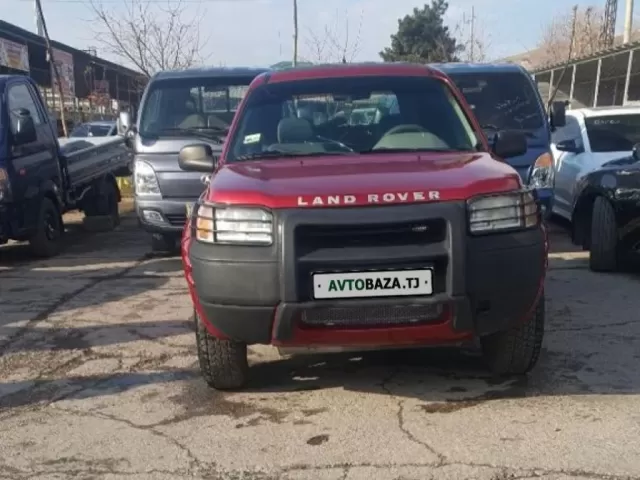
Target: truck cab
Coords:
[[178, 108], [504, 96]]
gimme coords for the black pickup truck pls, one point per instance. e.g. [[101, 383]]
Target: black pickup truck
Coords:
[[40, 179]]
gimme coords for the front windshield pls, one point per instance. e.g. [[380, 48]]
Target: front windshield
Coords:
[[501, 101], [184, 106], [613, 133], [90, 130], [350, 115]]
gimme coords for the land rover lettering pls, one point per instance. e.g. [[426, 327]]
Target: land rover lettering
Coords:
[[370, 198]]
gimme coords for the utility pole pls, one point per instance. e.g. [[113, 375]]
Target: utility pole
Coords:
[[39, 29], [295, 33], [473, 35], [53, 65], [628, 21]]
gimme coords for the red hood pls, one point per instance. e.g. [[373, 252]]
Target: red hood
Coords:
[[361, 180]]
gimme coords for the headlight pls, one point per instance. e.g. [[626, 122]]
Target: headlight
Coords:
[[496, 213], [233, 225], [145, 180], [542, 172]]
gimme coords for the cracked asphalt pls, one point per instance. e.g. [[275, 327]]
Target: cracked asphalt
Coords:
[[98, 379]]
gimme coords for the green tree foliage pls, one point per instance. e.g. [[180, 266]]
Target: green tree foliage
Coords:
[[423, 37]]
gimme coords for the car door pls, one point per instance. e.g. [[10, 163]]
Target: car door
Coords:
[[567, 166], [35, 162]]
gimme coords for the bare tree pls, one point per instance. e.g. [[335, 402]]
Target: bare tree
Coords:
[[472, 37], [334, 44], [152, 36], [555, 44]]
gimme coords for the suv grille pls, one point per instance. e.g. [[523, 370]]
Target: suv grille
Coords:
[[372, 315], [312, 237]]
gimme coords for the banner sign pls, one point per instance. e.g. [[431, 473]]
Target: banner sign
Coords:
[[64, 62], [14, 55]]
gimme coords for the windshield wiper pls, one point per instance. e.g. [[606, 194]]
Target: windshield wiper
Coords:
[[490, 126], [281, 154], [212, 133], [416, 150]]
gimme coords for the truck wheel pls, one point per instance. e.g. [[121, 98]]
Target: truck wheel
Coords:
[[603, 247], [104, 203], [45, 242], [165, 244], [223, 363], [516, 351]]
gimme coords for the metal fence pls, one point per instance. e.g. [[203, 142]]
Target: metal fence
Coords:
[[609, 79]]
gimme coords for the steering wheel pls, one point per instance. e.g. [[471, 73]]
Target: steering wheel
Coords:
[[409, 128], [337, 143]]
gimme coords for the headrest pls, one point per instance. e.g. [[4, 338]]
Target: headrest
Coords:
[[294, 130]]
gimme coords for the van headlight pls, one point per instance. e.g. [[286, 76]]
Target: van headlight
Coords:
[[145, 179], [240, 225], [542, 172], [508, 211]]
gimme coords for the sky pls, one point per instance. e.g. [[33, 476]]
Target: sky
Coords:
[[260, 32]]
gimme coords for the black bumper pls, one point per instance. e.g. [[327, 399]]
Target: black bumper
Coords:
[[172, 215], [261, 294]]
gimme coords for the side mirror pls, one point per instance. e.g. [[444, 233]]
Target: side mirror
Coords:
[[25, 128], [558, 114], [197, 158], [569, 146], [635, 153], [124, 122], [129, 136], [509, 143]]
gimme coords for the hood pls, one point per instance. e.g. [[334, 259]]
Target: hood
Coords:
[[361, 180]]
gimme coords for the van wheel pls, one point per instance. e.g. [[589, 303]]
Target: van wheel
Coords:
[[516, 351], [603, 248], [165, 244], [45, 242], [223, 363]]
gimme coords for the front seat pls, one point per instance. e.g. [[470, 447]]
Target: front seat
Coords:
[[294, 130], [192, 118]]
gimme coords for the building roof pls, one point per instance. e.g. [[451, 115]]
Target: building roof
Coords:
[[15, 33]]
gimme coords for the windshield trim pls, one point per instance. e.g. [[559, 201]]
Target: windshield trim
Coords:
[[477, 137]]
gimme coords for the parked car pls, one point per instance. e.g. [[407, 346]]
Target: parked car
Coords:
[[40, 179], [410, 232], [178, 108], [505, 97], [590, 139], [102, 128]]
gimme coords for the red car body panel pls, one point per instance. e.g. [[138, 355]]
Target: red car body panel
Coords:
[[391, 178]]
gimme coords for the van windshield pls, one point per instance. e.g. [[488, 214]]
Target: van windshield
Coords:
[[350, 115], [501, 100], [182, 106]]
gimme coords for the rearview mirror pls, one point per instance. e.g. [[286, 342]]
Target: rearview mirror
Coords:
[[558, 114], [509, 143], [25, 129], [569, 146], [197, 158]]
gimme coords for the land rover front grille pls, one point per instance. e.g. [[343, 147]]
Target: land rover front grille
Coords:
[[371, 315]]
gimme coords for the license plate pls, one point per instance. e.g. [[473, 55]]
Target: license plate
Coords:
[[189, 207], [373, 284]]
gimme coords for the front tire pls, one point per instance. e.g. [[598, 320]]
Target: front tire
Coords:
[[603, 248], [223, 363], [516, 351], [169, 244], [45, 241]]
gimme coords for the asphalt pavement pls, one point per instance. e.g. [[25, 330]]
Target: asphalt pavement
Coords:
[[98, 379]]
